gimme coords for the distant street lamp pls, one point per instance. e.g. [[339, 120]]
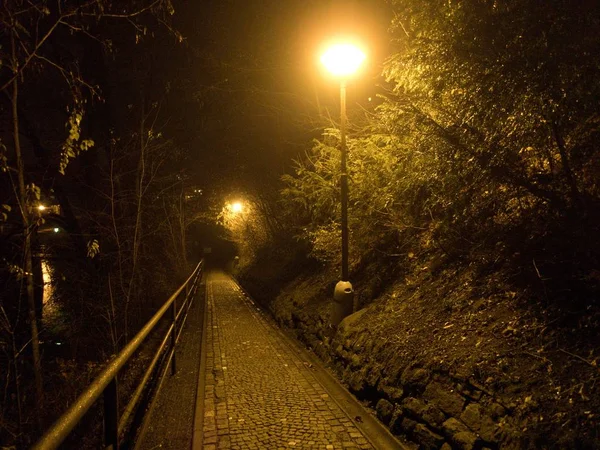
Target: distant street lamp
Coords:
[[342, 61], [237, 207]]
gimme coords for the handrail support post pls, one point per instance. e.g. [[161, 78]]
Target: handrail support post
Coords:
[[174, 336], [111, 416]]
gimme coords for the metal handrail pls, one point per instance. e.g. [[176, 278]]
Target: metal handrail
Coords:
[[106, 383]]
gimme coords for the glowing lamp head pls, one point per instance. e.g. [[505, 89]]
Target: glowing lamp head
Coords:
[[41, 208], [237, 207], [343, 60]]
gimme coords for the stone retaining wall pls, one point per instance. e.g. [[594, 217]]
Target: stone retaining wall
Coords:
[[424, 404]]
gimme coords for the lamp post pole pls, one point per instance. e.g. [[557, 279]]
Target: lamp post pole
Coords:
[[343, 60], [344, 180], [343, 294]]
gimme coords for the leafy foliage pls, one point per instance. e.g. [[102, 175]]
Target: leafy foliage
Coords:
[[502, 83], [93, 248], [483, 148], [74, 145], [55, 61]]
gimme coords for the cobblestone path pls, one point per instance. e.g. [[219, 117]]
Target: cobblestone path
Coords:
[[258, 393]]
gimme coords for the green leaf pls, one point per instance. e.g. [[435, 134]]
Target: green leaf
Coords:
[[93, 248]]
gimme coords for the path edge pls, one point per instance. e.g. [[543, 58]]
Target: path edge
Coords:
[[197, 430]]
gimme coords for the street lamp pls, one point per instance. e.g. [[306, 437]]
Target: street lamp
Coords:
[[237, 207], [342, 61]]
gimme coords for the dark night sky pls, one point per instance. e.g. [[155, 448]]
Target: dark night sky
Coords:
[[249, 81]]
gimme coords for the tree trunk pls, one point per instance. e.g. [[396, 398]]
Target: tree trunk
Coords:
[[137, 230], [566, 166], [182, 228], [28, 229]]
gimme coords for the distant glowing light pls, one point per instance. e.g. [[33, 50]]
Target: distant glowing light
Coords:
[[48, 287], [343, 59], [41, 208], [237, 207], [56, 230]]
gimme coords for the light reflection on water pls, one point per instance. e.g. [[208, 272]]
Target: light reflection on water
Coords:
[[50, 302], [48, 287]]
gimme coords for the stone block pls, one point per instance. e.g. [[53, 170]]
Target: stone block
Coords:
[[427, 439], [474, 394], [474, 417], [322, 352], [356, 361], [496, 410], [453, 426], [433, 416], [356, 379], [413, 407], [352, 322], [447, 401], [393, 368], [465, 440], [396, 422], [415, 378], [373, 375], [408, 425], [394, 394], [384, 409]]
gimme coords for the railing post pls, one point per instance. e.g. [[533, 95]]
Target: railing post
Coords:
[[197, 281], [111, 416], [174, 335], [187, 295]]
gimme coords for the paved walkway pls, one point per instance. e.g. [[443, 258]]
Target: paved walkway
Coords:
[[258, 392]]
